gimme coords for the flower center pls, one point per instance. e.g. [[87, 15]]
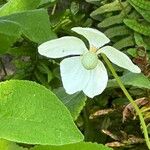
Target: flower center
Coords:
[[89, 60]]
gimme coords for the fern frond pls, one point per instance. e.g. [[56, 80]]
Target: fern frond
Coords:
[[117, 31], [144, 4], [143, 12], [110, 7], [122, 18], [138, 27], [112, 20], [124, 43]]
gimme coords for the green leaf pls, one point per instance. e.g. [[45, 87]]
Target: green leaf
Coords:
[[34, 24], [78, 146], [23, 50], [44, 69], [142, 11], [110, 7], [138, 27], [14, 6], [93, 1], [138, 80], [117, 31], [132, 52], [74, 102], [75, 8], [125, 42], [30, 113], [46, 2], [7, 145], [9, 33], [112, 20], [144, 4], [139, 40], [132, 79], [115, 19]]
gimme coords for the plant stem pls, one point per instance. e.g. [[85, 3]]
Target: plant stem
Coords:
[[54, 9], [143, 124]]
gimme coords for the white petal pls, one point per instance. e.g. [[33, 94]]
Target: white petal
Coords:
[[61, 47], [96, 38], [97, 82], [119, 58], [74, 75]]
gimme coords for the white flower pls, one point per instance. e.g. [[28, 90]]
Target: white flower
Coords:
[[84, 71]]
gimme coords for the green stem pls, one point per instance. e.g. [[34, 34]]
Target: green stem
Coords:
[[143, 124]]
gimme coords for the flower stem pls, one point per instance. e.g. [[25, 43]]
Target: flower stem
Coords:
[[143, 124]]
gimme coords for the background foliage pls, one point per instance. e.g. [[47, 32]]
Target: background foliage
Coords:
[[108, 118]]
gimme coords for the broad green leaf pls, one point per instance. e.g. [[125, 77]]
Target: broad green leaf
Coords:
[[7, 145], [132, 79], [9, 32], [30, 113], [138, 80], [9, 27], [14, 6], [74, 102], [34, 24], [78, 146]]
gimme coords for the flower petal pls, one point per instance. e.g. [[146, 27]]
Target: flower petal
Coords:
[[119, 58], [97, 82], [74, 75], [62, 47], [96, 38]]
